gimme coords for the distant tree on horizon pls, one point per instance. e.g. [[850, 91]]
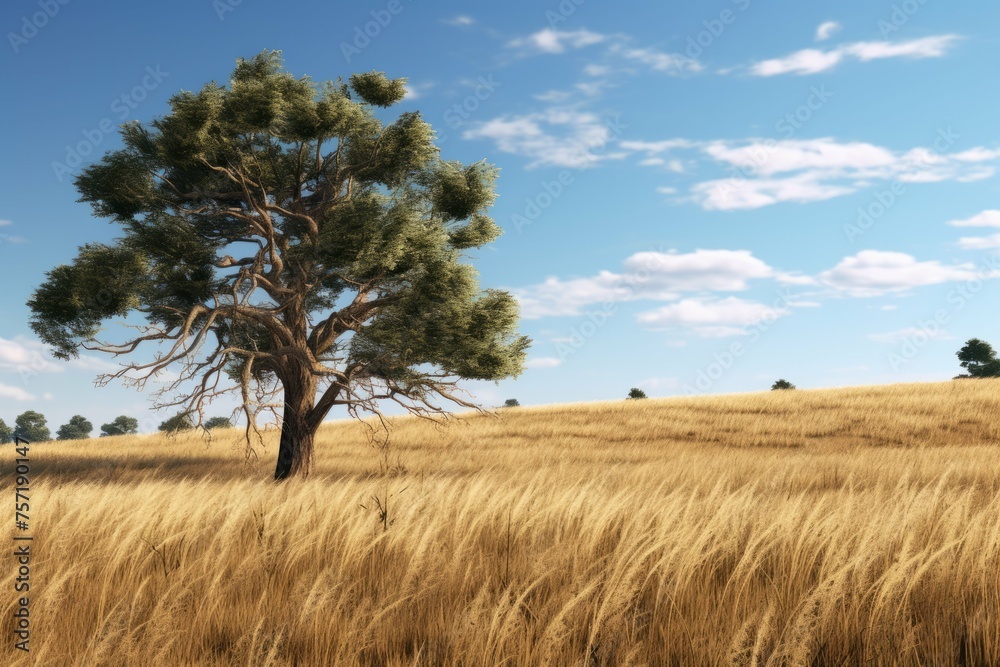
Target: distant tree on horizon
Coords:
[[31, 426], [979, 358], [121, 425], [182, 421], [6, 433], [511, 403], [77, 428], [782, 384], [217, 422], [635, 393]]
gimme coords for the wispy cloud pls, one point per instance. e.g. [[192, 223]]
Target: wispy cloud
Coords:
[[554, 137], [908, 333], [826, 30], [711, 317], [15, 393], [461, 21], [813, 61], [656, 276], [988, 218], [543, 362], [763, 172], [556, 41], [874, 273]]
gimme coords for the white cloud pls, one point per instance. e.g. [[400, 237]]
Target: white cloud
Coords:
[[543, 362], [826, 29], [15, 393], [671, 63], [461, 21], [647, 275], [556, 41], [597, 70], [711, 317], [729, 194], [989, 218], [762, 172], [979, 242], [908, 333], [813, 61], [4, 223], [416, 90], [554, 137], [875, 272]]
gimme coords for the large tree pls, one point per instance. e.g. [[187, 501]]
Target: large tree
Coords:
[[6, 433], [280, 238]]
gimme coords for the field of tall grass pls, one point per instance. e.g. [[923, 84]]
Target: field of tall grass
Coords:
[[835, 527]]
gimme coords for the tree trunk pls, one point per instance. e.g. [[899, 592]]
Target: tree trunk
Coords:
[[298, 429]]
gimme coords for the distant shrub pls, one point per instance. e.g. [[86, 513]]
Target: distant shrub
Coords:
[[121, 425], [782, 384], [511, 403], [636, 393], [218, 422], [180, 422]]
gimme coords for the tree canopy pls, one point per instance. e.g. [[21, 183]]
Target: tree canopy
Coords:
[[121, 425], [782, 384], [77, 428], [979, 358], [31, 426], [280, 239]]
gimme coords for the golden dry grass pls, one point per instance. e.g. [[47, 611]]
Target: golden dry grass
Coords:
[[837, 527]]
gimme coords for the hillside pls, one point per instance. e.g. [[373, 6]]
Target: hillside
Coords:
[[803, 527]]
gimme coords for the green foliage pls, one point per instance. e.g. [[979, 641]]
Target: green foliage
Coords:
[[31, 426], [180, 422], [6, 433], [979, 358], [78, 428], [270, 223], [782, 384], [511, 403], [635, 393], [217, 422], [121, 425]]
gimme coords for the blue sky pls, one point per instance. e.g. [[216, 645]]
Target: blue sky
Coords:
[[696, 199]]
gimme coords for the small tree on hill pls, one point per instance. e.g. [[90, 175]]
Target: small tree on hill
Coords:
[[31, 426], [979, 358], [636, 393], [182, 421], [782, 384], [6, 433], [511, 403], [217, 422], [121, 426], [78, 428]]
